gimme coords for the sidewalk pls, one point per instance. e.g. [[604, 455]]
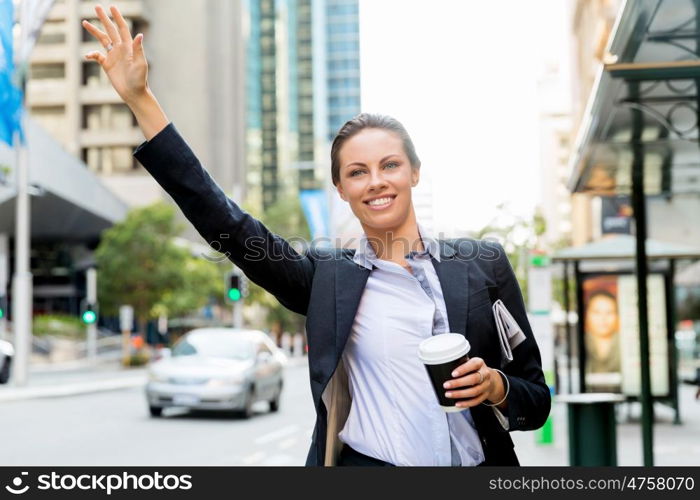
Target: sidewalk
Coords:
[[673, 444], [82, 377], [75, 377]]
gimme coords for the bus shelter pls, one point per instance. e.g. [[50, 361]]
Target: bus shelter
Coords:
[[603, 350], [639, 136]]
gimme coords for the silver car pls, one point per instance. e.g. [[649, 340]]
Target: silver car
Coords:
[[217, 369], [7, 352]]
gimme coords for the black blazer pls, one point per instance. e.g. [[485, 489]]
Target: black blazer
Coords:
[[326, 285]]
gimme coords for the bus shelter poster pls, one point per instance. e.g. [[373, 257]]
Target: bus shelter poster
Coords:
[[611, 335]]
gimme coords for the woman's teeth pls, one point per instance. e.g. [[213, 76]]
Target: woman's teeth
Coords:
[[380, 201]]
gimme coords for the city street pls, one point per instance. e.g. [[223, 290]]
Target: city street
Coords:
[[114, 428]]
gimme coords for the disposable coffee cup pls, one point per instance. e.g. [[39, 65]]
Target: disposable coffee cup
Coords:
[[441, 354]]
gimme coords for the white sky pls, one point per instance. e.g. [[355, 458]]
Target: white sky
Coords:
[[461, 76]]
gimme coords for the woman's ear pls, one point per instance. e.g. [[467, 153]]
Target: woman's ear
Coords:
[[341, 192], [415, 176]]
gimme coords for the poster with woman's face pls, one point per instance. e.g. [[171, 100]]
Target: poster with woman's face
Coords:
[[610, 322], [602, 334]]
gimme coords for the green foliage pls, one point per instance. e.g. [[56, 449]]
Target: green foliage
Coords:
[[140, 265], [201, 279], [60, 325], [519, 236]]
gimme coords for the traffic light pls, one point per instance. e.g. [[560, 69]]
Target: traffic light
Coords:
[[3, 306], [233, 287], [88, 312]]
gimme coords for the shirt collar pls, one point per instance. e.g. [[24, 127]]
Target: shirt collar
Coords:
[[365, 256]]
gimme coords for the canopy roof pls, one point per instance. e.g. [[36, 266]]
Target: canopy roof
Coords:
[[623, 247], [67, 200], [645, 99]]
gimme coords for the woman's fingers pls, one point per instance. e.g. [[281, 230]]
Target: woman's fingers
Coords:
[[124, 32], [100, 35], [474, 388], [95, 56], [138, 46], [472, 378], [470, 403], [472, 365], [108, 24]]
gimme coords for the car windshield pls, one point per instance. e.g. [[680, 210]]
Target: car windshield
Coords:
[[215, 345]]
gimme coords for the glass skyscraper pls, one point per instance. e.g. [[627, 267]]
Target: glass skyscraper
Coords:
[[303, 83], [342, 62]]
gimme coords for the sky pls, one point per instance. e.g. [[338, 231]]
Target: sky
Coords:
[[461, 76]]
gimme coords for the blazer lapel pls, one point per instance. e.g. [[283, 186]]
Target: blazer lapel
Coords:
[[454, 280], [350, 281]]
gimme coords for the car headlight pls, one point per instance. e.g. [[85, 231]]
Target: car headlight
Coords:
[[157, 377], [225, 381]]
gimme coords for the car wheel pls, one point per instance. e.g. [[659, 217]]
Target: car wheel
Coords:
[[156, 411], [247, 411], [275, 403], [5, 372]]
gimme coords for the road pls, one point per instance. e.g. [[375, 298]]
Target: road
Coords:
[[114, 428]]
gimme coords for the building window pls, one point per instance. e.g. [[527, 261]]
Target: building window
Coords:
[[91, 74], [51, 38], [120, 117], [92, 157], [48, 71], [122, 159], [92, 117]]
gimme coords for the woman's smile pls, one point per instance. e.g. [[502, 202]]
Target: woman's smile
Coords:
[[381, 203]]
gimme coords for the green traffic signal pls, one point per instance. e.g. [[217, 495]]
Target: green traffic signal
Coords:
[[89, 317], [2, 313], [234, 294]]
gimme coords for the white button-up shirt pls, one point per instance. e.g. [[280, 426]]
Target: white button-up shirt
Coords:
[[395, 415]]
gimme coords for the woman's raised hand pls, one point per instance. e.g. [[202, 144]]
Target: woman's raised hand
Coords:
[[125, 65], [124, 61]]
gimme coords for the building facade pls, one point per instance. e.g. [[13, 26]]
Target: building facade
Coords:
[[195, 59]]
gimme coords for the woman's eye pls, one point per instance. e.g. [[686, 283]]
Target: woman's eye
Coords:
[[352, 174], [392, 163]]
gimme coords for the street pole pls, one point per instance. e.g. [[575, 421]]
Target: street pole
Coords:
[[91, 276], [126, 321], [238, 314], [22, 278], [642, 271]]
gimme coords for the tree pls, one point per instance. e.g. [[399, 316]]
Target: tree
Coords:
[[518, 236], [140, 265]]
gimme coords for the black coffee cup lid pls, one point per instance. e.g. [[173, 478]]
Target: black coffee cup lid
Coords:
[[442, 348]]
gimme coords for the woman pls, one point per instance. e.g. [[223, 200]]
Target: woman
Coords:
[[366, 310], [602, 342]]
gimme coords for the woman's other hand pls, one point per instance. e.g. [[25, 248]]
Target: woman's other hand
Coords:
[[477, 382], [124, 63]]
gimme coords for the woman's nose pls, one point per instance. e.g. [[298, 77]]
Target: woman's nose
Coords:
[[376, 181]]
